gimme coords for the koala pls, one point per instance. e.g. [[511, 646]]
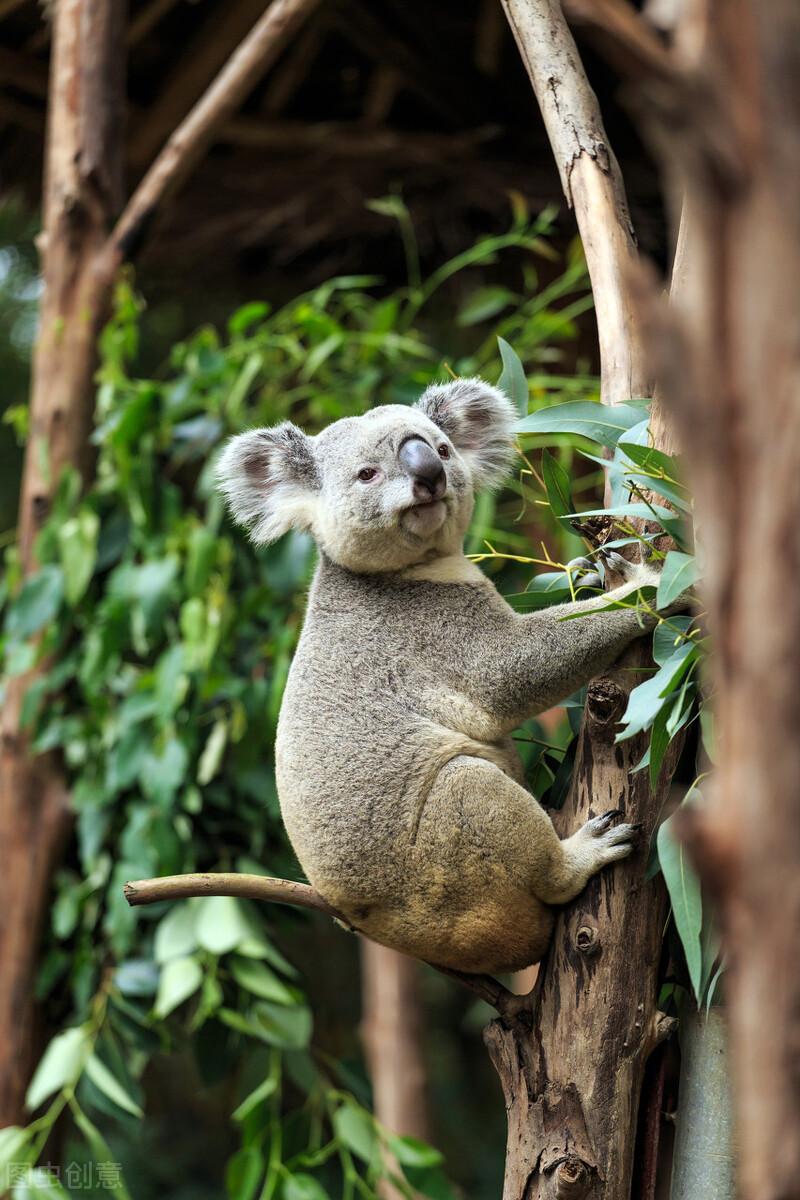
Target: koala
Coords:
[[399, 783]]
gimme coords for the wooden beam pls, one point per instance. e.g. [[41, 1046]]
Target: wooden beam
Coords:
[[201, 126], [200, 60]]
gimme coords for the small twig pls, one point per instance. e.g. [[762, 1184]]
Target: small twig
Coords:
[[301, 895]]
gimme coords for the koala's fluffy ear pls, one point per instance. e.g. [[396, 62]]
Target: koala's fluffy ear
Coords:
[[270, 479], [479, 420]]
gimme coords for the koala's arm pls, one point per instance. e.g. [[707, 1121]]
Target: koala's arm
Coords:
[[540, 658]]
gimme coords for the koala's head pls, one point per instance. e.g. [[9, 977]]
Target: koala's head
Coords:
[[378, 492]]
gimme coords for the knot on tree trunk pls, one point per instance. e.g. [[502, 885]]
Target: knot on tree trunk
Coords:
[[605, 704], [572, 1179]]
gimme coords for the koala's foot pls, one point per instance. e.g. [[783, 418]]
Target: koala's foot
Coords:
[[595, 845]]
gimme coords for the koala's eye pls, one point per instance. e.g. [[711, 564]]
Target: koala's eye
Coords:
[[444, 451], [367, 473]]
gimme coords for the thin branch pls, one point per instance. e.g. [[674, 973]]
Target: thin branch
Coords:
[[301, 895], [199, 128]]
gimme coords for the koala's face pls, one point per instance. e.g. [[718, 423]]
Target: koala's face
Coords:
[[379, 492]]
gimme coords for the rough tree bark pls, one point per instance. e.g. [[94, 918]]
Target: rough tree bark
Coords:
[[83, 178], [81, 256], [729, 364], [572, 1073]]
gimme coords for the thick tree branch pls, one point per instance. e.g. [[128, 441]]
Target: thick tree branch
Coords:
[[301, 895], [197, 131]]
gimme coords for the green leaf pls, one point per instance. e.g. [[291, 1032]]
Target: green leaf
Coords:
[[667, 637], [220, 924], [77, 547], [287, 1028], [355, 1129], [163, 773], [60, 1066], [650, 459], [557, 485], [603, 423], [512, 381], [412, 1152], [180, 979], [213, 751], [259, 980], [13, 1143], [102, 1078], [659, 742], [113, 1182], [41, 1183], [36, 604], [243, 1173], [482, 304], [175, 935], [303, 1187], [137, 977], [646, 701], [259, 1094], [684, 893], [430, 1182], [678, 574]]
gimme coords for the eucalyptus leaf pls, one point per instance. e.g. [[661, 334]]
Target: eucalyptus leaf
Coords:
[[103, 1079], [557, 485], [303, 1187], [180, 979], [687, 905], [678, 574], [602, 423], [646, 701], [60, 1066], [512, 381]]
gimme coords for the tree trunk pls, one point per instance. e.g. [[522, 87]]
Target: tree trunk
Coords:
[[723, 110], [82, 251], [572, 1074], [83, 174], [703, 1160], [391, 1028]]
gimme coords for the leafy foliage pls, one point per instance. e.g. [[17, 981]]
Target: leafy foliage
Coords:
[[165, 640]]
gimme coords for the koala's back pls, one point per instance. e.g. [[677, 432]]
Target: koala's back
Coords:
[[368, 721]]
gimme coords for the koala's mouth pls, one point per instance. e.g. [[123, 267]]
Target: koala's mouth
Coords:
[[425, 517]]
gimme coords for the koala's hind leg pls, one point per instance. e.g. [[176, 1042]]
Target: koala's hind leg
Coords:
[[481, 821]]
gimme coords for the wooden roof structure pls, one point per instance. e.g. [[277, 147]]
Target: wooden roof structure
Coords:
[[427, 99]]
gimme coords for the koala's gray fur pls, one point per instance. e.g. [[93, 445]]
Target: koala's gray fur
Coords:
[[399, 783]]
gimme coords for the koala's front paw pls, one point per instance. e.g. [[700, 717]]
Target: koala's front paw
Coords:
[[584, 573], [609, 842], [620, 571]]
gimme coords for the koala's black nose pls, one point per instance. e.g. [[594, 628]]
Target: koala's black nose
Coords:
[[425, 468]]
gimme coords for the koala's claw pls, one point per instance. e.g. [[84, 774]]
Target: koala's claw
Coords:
[[600, 824], [580, 564]]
